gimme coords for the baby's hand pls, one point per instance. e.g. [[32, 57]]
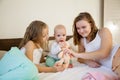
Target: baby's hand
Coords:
[[58, 63], [63, 45], [68, 51], [59, 67]]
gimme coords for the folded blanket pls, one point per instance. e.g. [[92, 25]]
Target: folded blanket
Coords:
[[99, 76], [14, 65]]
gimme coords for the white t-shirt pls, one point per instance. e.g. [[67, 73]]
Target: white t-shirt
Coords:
[[95, 45], [37, 53], [55, 49]]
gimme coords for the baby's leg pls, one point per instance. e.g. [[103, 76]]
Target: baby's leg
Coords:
[[60, 62], [66, 60], [49, 61], [116, 63]]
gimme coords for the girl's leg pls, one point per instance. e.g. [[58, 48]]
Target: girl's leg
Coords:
[[116, 63]]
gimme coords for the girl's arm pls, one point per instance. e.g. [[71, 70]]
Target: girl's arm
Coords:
[[30, 46], [29, 53], [89, 62], [49, 69], [46, 69], [105, 48]]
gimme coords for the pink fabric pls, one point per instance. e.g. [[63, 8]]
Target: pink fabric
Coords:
[[99, 76]]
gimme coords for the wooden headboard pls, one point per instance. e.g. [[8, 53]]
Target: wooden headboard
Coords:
[[6, 44]]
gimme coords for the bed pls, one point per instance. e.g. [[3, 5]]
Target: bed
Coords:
[[78, 71]]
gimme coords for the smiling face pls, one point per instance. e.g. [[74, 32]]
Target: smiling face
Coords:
[[83, 28]]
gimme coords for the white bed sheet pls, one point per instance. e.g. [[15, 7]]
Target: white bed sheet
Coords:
[[75, 73]]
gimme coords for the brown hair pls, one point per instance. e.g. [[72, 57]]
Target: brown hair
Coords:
[[84, 16], [34, 33]]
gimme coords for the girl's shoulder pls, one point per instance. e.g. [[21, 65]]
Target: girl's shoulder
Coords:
[[104, 31], [30, 45], [104, 34]]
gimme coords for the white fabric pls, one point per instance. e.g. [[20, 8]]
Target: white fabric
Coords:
[[95, 45], [79, 70], [55, 49], [37, 53], [75, 73], [108, 61]]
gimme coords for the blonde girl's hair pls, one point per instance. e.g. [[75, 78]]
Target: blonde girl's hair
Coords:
[[83, 16], [34, 32]]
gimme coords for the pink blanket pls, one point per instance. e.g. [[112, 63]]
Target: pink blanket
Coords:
[[99, 76]]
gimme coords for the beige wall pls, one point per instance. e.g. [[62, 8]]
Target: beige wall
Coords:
[[15, 15], [112, 18]]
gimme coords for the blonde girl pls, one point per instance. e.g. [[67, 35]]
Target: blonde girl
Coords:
[[34, 42]]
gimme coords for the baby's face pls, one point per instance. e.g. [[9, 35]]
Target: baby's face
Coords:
[[60, 35]]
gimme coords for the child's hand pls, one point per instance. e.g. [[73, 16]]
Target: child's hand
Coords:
[[69, 51], [63, 45], [58, 63], [59, 67]]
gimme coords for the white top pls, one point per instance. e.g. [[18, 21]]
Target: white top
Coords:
[[37, 53], [95, 45], [55, 49]]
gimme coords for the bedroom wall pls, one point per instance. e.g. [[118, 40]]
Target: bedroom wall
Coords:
[[112, 18], [15, 15]]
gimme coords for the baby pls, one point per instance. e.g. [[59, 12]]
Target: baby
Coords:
[[56, 55]]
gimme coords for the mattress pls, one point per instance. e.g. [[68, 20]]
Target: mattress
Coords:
[[75, 73]]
